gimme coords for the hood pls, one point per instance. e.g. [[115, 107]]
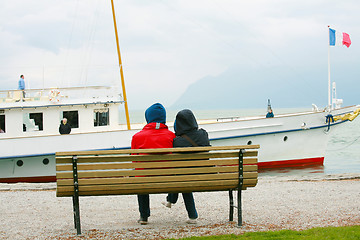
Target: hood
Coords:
[[155, 113], [185, 122]]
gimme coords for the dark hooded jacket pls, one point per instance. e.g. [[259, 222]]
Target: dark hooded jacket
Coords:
[[185, 123]]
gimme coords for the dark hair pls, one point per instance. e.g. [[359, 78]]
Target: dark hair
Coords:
[[21, 76]]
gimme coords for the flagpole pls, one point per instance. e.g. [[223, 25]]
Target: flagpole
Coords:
[[329, 81]]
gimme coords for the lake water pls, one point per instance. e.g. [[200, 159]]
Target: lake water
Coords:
[[342, 154]]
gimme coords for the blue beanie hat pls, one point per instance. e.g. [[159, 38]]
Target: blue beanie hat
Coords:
[[155, 113]]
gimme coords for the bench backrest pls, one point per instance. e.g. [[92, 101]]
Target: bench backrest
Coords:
[[119, 172]]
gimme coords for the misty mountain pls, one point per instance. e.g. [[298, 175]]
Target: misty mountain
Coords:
[[239, 88]]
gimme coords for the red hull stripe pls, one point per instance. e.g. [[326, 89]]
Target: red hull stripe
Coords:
[[262, 165], [29, 179], [292, 163]]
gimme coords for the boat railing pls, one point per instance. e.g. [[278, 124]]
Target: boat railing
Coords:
[[56, 94]]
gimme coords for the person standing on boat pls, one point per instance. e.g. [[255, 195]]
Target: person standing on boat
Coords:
[[155, 134], [187, 134], [22, 85], [270, 114], [64, 127]]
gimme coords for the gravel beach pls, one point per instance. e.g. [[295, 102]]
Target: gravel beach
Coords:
[[32, 211]]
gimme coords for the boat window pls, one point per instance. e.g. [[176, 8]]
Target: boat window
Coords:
[[33, 122], [46, 161], [101, 117], [19, 163], [2, 123], [72, 117]]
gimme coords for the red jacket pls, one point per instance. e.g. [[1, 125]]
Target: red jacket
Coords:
[[153, 135]]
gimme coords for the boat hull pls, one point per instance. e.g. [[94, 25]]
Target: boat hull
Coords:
[[28, 169], [291, 140], [286, 149]]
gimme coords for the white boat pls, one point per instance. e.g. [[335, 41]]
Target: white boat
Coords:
[[30, 130]]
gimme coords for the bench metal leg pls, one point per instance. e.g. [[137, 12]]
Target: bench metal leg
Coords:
[[76, 207], [76, 214], [231, 213], [239, 208], [76, 210]]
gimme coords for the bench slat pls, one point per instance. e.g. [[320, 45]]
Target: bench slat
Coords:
[[131, 165], [155, 188], [157, 150], [151, 191], [99, 181], [154, 157], [159, 172]]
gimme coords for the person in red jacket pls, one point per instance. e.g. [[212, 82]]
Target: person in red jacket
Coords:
[[155, 134]]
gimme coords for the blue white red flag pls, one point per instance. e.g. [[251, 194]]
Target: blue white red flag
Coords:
[[339, 38]]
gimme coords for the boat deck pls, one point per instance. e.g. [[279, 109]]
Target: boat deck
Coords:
[[57, 96]]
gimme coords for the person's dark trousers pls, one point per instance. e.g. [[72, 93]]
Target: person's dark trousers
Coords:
[[144, 206], [189, 203]]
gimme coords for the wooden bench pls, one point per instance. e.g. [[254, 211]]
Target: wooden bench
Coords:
[[116, 172]]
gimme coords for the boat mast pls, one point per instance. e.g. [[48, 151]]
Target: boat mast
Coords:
[[121, 69]]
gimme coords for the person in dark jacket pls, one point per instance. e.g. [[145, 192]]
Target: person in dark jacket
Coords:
[[187, 134], [64, 127], [270, 114], [155, 134]]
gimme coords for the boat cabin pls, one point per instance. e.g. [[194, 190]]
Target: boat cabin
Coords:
[[39, 111]]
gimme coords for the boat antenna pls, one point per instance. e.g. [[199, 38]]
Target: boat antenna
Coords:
[[269, 106], [121, 69]]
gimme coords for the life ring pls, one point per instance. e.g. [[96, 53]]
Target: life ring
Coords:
[[54, 95]]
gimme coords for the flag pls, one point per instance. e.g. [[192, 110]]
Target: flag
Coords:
[[339, 38]]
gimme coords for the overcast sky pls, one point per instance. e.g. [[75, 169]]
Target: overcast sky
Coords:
[[166, 45]]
